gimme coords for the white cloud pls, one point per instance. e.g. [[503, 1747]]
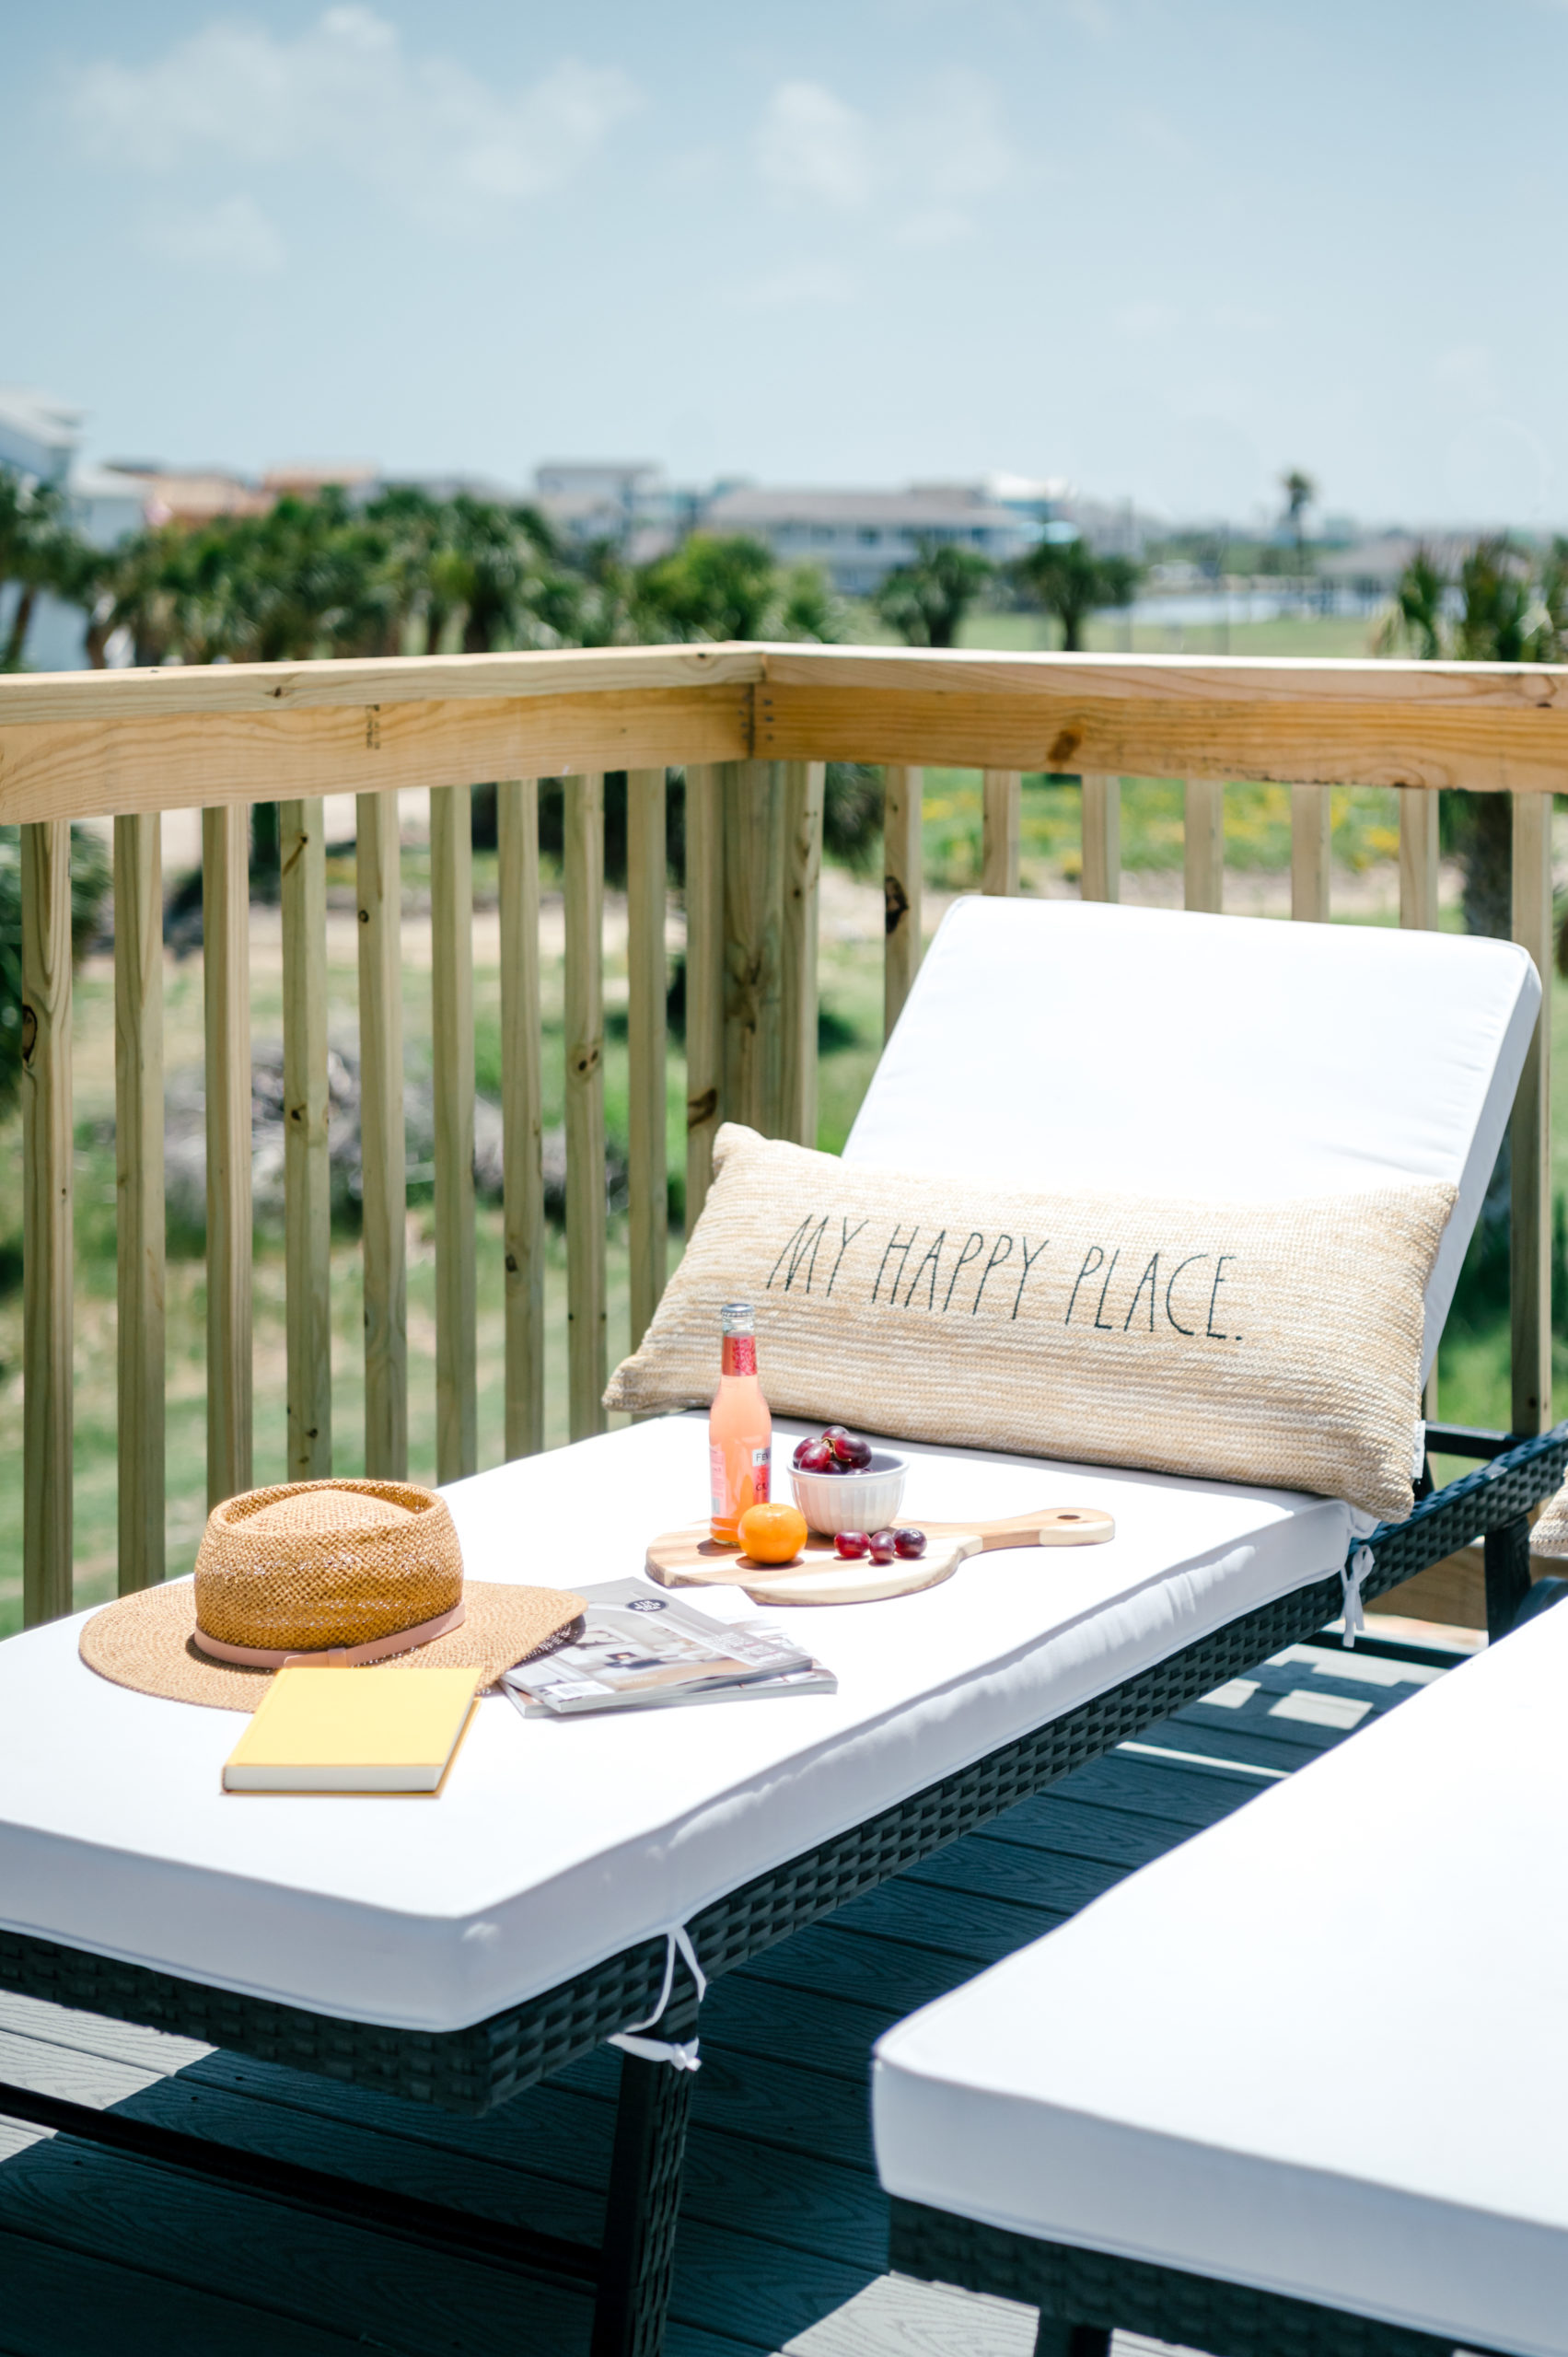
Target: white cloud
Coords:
[[233, 236], [954, 143], [811, 144], [923, 167], [346, 92]]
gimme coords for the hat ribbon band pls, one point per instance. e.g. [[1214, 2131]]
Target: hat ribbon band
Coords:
[[400, 1641]]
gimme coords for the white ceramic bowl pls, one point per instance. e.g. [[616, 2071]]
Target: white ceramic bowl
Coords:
[[869, 1501]]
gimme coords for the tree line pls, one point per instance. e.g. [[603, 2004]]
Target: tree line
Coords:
[[407, 574]]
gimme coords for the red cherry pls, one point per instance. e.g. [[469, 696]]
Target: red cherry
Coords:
[[813, 1457], [851, 1454], [800, 1448], [911, 1544], [884, 1546], [852, 1546], [830, 1433]]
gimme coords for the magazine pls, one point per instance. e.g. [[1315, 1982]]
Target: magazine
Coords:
[[640, 1651]]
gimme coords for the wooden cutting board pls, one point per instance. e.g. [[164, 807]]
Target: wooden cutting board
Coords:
[[689, 1558]]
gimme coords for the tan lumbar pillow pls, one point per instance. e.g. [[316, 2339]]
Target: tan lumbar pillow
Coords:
[[1549, 1536], [1269, 1342]]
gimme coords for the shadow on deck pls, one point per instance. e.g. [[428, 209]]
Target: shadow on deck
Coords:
[[784, 2228]]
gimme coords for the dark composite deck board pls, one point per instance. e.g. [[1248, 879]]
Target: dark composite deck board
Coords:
[[70, 2304], [293, 2266], [784, 2220]]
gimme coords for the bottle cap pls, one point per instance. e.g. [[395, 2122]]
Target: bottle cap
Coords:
[[738, 1318]]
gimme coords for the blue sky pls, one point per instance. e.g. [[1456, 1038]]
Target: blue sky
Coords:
[[1164, 247]]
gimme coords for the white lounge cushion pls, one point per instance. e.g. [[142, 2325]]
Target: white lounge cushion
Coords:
[[1320, 2050], [1061, 1043], [556, 1844]]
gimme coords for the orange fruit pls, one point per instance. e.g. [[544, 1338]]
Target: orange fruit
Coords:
[[773, 1534]]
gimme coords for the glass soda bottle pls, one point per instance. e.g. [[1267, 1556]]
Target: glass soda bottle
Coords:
[[740, 1430]]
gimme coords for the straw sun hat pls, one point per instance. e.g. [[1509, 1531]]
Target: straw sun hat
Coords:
[[345, 1573]]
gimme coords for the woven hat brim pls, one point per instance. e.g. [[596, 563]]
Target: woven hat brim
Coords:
[[147, 1642]]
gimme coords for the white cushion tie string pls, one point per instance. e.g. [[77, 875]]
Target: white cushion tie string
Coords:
[[1351, 1577], [681, 2055]]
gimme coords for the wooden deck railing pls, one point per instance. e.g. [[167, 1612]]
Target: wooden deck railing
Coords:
[[752, 726]]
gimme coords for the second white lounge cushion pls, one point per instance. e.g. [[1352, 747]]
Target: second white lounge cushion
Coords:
[[1276, 1342]]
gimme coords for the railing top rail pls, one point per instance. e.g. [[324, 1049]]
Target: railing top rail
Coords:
[[77, 744], [30, 697]]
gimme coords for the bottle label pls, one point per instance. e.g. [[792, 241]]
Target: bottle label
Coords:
[[740, 1354], [723, 1506]]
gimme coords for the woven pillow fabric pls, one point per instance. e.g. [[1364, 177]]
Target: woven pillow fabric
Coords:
[[1275, 1343]]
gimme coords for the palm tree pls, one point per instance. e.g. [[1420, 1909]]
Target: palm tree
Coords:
[[1503, 616], [926, 602], [1070, 581], [36, 543], [1300, 491]]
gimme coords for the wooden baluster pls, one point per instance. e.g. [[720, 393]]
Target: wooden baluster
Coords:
[[47, 1290], [704, 980], [586, 1329], [451, 919], [1418, 857], [383, 1158], [1530, 1130], [1204, 846], [522, 1113], [226, 988], [647, 1026], [308, 1178], [903, 873], [1101, 876], [1002, 797], [803, 783], [753, 947], [138, 1183], [1311, 820]]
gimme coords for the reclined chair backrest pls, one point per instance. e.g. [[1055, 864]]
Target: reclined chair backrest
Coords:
[[1060, 1043]]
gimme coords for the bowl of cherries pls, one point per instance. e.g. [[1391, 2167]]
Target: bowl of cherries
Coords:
[[843, 1485]]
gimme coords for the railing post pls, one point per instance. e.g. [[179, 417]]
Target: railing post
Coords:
[[383, 1155], [647, 1026], [226, 986], [1418, 858], [587, 1315], [47, 1287], [138, 1186], [307, 1179], [1530, 1130], [704, 980], [451, 990], [1002, 796], [1204, 848], [803, 788], [753, 956], [1101, 875], [1311, 838], [903, 873], [522, 1114]]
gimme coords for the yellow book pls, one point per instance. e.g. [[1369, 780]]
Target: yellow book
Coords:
[[352, 1731]]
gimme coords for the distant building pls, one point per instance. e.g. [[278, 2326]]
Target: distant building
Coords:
[[38, 436], [308, 478], [856, 537], [628, 501], [193, 495]]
